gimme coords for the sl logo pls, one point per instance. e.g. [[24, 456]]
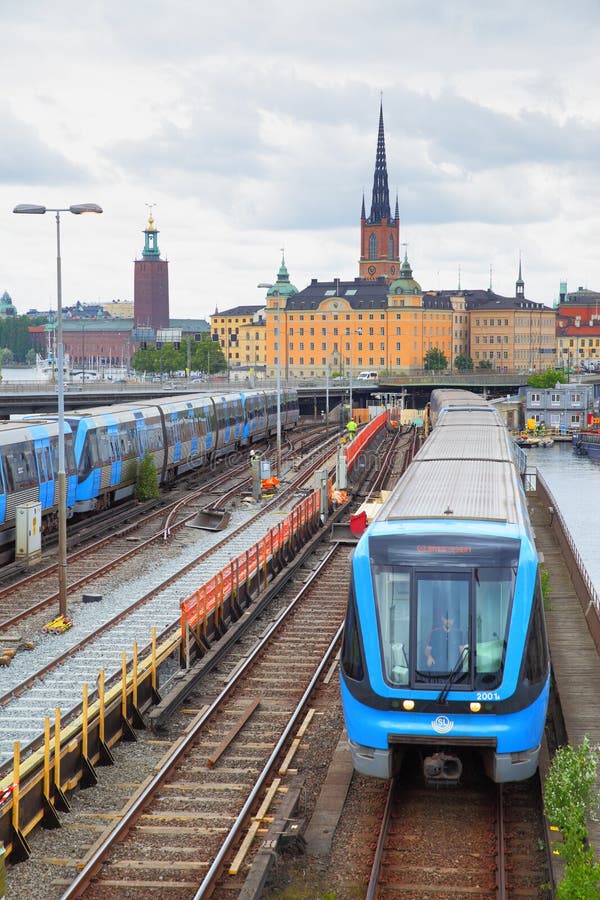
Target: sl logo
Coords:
[[442, 725]]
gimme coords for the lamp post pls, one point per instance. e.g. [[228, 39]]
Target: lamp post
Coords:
[[268, 286], [357, 331], [79, 209]]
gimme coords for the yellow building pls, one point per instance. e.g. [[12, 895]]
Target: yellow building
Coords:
[[241, 333]]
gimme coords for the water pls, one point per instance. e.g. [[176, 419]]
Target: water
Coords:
[[575, 483], [10, 376]]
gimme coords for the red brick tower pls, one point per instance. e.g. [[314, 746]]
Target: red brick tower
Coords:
[[151, 284]]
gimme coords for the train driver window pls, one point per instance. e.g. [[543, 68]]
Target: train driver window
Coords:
[[392, 593], [442, 623]]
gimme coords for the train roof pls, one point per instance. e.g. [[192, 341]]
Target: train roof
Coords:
[[442, 398], [464, 470]]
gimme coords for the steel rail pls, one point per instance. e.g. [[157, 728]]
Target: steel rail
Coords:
[[383, 832], [500, 845], [118, 617], [98, 545], [134, 811]]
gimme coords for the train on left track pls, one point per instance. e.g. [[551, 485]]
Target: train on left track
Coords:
[[445, 649], [103, 447]]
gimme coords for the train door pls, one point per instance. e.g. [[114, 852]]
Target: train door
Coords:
[[116, 464], [176, 433], [2, 494], [45, 473]]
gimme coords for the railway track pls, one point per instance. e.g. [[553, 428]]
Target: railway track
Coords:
[[118, 546], [181, 832], [120, 624], [476, 840]]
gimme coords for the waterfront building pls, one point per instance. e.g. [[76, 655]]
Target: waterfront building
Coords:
[[564, 406], [383, 320]]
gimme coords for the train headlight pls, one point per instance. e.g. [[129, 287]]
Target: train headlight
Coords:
[[408, 705], [475, 707]]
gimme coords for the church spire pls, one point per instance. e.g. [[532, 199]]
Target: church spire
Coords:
[[520, 284], [380, 206]]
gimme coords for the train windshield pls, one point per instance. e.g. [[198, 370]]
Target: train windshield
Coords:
[[443, 609]]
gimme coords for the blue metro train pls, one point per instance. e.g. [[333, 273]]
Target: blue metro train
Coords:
[[103, 447], [445, 647]]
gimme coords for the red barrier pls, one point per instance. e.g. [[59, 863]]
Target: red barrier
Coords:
[[198, 606], [364, 436]]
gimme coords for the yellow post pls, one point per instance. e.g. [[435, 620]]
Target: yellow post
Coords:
[[16, 783], [57, 747], [84, 723], [154, 678], [101, 705], [135, 675], [124, 685], [47, 758]]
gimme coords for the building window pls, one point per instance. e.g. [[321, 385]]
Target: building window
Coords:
[[373, 247], [391, 247]]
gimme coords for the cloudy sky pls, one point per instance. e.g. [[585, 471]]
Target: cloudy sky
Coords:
[[253, 126]]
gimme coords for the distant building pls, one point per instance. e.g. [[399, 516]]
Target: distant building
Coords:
[[7, 307], [578, 329], [241, 333], [564, 406], [151, 284]]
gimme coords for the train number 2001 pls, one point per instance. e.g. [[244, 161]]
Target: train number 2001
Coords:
[[488, 695]]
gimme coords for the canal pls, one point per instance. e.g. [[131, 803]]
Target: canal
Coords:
[[575, 484]]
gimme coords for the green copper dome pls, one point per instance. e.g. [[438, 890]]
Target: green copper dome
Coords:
[[282, 288], [405, 284]]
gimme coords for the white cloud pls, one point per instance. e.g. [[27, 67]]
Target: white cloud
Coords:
[[254, 126]]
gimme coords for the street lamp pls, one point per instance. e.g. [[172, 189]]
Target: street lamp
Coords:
[[357, 331], [77, 210], [278, 333]]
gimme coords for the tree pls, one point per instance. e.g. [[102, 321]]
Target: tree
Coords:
[[435, 359], [205, 356], [463, 363], [30, 357], [14, 334], [484, 364], [147, 479], [7, 357], [548, 378]]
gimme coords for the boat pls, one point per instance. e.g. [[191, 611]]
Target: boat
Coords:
[[587, 443], [47, 369], [525, 440]]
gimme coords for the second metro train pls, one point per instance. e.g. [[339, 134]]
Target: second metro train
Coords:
[[445, 648], [103, 447]]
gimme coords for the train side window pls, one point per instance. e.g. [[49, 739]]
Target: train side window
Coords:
[[41, 467], [20, 467], [493, 595], [536, 658], [392, 596], [69, 456], [352, 658]]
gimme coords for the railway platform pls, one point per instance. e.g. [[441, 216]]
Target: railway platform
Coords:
[[572, 621]]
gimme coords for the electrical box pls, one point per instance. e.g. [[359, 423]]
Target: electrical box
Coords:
[[28, 543]]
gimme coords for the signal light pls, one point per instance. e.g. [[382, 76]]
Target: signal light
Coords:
[[408, 705], [475, 707]]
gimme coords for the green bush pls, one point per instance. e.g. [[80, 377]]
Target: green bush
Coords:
[[569, 798], [147, 480], [546, 586]]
